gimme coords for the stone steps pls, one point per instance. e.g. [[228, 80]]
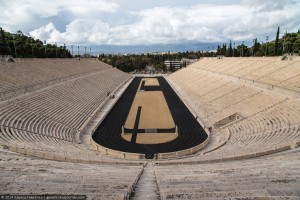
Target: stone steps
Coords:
[[146, 188]]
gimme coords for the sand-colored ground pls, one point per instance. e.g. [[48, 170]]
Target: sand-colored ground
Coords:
[[155, 113], [151, 138], [151, 81], [127, 136]]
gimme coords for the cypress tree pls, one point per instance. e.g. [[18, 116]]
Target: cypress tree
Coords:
[[219, 50], [224, 49], [254, 46], [230, 49], [276, 41]]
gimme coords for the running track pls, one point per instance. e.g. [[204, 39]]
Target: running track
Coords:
[[108, 134]]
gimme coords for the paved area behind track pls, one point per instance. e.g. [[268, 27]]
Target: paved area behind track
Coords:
[[151, 81]]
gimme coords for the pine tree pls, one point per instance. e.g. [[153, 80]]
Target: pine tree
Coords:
[[277, 41]]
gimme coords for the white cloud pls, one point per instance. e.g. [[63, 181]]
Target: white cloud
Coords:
[[78, 31], [157, 25], [19, 14], [48, 33]]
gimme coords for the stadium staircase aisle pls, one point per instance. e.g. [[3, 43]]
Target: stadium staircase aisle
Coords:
[[146, 188]]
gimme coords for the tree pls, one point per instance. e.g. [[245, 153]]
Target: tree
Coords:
[[4, 50], [254, 48], [224, 49], [230, 49], [277, 42], [27, 46], [219, 50]]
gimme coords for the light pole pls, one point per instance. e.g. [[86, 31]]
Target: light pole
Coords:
[[233, 49], [242, 48], [32, 50], [31, 43], [72, 49], [45, 48], [84, 51], [90, 52], [15, 46], [207, 51], [267, 38], [56, 49], [253, 47], [78, 52], [284, 36], [262, 44]]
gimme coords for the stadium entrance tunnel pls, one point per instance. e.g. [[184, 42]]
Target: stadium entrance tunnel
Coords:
[[149, 156], [110, 133]]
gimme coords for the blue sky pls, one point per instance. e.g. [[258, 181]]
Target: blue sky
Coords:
[[150, 22]]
